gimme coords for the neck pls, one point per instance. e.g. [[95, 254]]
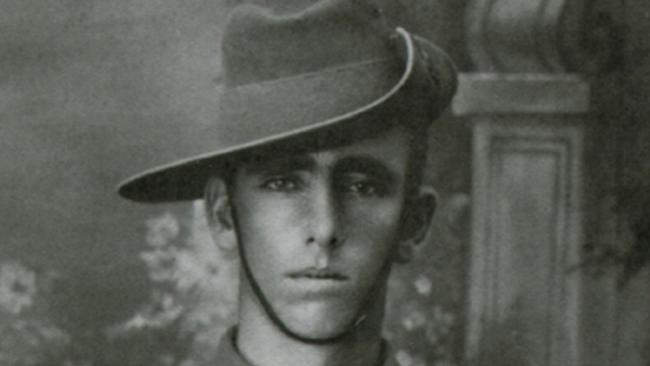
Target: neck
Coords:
[[262, 343]]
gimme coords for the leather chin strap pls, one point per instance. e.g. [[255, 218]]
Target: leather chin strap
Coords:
[[268, 308]]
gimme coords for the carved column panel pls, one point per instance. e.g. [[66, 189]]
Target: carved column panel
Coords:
[[530, 117], [527, 222]]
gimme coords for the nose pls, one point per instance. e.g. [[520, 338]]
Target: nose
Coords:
[[324, 227]]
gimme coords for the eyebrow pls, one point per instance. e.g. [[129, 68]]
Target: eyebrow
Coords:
[[365, 164], [368, 165]]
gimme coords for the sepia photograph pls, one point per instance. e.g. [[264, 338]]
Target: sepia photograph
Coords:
[[324, 183]]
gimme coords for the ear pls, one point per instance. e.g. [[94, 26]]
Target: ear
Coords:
[[217, 209], [415, 222]]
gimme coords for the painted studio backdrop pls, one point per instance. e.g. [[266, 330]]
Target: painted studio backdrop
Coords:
[[92, 91], [537, 254]]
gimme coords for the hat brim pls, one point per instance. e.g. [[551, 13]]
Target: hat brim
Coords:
[[288, 108]]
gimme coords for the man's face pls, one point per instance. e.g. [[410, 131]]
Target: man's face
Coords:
[[319, 228]]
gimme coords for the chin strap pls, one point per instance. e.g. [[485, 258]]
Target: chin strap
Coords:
[[268, 308]]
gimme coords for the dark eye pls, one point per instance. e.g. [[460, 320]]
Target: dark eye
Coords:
[[281, 184], [364, 189]]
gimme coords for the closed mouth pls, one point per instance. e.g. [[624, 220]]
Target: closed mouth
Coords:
[[317, 274]]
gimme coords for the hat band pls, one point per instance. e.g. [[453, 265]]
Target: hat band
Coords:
[[270, 108], [273, 108]]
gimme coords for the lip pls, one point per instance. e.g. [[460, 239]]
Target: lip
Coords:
[[315, 274], [318, 284]]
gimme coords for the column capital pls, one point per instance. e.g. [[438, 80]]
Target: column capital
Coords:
[[541, 36]]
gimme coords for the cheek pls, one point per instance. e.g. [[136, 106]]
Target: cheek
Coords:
[[375, 227], [268, 226], [270, 216]]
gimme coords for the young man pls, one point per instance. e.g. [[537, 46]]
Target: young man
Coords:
[[325, 114]]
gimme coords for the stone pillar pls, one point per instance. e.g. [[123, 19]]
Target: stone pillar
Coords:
[[530, 105]]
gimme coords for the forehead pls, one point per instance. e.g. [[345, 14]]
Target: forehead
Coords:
[[389, 149]]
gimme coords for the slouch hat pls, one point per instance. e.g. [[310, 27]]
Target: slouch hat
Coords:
[[289, 75]]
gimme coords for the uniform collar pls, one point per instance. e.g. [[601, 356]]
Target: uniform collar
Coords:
[[228, 354]]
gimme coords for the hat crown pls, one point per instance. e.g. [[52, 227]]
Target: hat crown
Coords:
[[259, 45]]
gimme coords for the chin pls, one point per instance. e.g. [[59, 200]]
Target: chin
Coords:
[[317, 321]]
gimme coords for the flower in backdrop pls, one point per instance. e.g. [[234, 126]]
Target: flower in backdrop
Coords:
[[28, 336], [404, 358], [17, 287], [194, 283]]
